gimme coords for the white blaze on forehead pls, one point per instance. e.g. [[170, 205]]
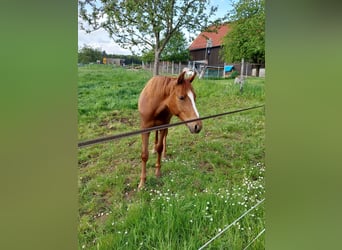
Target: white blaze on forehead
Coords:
[[191, 96]]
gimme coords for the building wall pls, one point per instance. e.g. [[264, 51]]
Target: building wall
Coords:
[[116, 61], [213, 58]]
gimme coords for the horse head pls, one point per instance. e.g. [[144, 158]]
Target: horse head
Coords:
[[183, 102]]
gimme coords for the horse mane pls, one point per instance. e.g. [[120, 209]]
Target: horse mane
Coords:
[[162, 85]]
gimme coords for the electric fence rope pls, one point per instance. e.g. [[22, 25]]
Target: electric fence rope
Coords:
[[256, 237], [233, 223], [147, 130]]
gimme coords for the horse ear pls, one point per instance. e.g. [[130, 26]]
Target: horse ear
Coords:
[[181, 78], [193, 76]]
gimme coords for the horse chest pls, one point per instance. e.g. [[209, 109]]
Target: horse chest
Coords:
[[163, 115]]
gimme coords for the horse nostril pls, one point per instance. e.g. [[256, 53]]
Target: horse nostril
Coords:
[[197, 128]]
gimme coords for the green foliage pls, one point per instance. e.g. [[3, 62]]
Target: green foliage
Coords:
[[145, 24], [89, 55], [247, 37], [209, 179], [176, 49], [234, 74], [148, 56]]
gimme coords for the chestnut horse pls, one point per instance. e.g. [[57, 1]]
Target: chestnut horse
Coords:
[[161, 98]]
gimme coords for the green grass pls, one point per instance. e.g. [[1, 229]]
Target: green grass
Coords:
[[208, 180]]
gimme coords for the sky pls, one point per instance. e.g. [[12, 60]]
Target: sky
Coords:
[[100, 39]]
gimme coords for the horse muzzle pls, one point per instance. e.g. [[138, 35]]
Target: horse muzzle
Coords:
[[195, 127]]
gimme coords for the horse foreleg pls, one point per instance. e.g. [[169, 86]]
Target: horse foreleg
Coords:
[[160, 149], [144, 158]]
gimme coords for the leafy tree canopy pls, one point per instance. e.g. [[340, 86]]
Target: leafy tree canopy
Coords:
[[247, 37], [175, 50], [146, 24], [88, 54]]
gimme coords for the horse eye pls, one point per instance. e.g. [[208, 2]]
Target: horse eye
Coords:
[[181, 98]]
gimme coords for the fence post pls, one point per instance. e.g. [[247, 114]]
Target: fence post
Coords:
[[172, 69], [242, 67], [224, 73], [241, 75]]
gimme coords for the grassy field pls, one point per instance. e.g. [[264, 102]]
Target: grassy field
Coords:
[[208, 179]]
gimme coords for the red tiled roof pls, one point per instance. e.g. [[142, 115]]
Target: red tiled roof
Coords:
[[201, 41]]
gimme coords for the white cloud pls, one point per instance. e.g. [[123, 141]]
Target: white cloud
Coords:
[[99, 39]]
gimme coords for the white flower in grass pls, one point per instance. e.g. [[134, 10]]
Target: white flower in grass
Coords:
[[83, 246]]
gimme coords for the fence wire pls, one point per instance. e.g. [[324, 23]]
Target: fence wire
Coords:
[[231, 224], [256, 237], [147, 130]]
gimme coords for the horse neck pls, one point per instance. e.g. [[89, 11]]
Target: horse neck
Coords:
[[164, 86], [167, 86]]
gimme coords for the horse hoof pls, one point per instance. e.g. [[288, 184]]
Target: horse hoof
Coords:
[[141, 185], [158, 174]]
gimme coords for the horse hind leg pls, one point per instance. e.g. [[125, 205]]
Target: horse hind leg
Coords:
[[154, 149]]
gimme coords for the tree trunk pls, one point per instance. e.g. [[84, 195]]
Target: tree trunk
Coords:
[[156, 63], [257, 70]]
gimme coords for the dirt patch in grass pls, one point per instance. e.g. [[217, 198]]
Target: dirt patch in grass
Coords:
[[206, 166], [129, 190], [117, 120], [116, 123]]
